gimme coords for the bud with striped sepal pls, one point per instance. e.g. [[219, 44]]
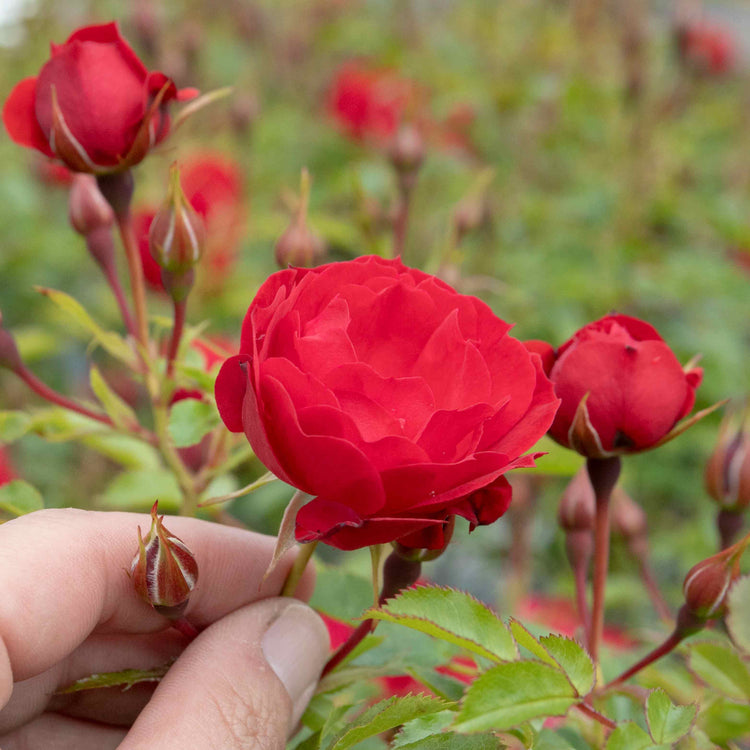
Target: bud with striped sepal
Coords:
[[164, 571]]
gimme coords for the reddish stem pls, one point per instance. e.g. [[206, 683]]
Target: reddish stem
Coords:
[[174, 344], [401, 220], [651, 657], [54, 397], [114, 282], [364, 629], [603, 473], [595, 715], [185, 627]]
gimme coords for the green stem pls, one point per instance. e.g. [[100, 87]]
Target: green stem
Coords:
[[298, 568], [174, 344]]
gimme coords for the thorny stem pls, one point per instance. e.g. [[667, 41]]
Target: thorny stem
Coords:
[[298, 568], [174, 343], [603, 473]]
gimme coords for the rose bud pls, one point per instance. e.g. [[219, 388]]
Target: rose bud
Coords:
[[94, 105], [390, 398], [727, 474], [577, 505], [177, 233], [621, 387], [164, 571], [707, 584], [87, 208], [299, 246], [407, 150]]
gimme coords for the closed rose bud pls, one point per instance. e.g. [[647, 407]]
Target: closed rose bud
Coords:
[[628, 518], [164, 571], [407, 150], [299, 246], [728, 469], [177, 234], [707, 584], [87, 207], [577, 505]]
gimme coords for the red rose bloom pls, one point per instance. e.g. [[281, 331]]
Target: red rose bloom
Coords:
[[213, 185], [621, 387], [94, 106], [706, 48], [369, 102], [395, 401]]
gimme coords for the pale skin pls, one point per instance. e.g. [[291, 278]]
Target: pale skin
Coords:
[[68, 610]]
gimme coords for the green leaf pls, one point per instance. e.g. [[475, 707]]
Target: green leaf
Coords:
[[452, 616], [309, 743], [381, 717], [125, 450], [629, 736], [125, 679], [724, 721], [118, 411], [509, 694], [137, 490], [422, 727], [573, 660], [721, 668], [19, 497], [190, 420], [666, 721], [529, 642], [428, 733], [443, 686], [548, 739], [331, 583], [13, 425], [738, 619], [109, 340]]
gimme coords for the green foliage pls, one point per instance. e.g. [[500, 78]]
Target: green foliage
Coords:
[[190, 420], [667, 722], [13, 425], [738, 619], [138, 489], [118, 411], [721, 668], [629, 736], [19, 497], [455, 616]]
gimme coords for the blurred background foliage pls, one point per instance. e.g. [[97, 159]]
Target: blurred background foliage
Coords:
[[620, 178]]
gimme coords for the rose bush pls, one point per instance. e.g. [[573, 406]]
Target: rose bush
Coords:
[[94, 105], [621, 387], [397, 402]]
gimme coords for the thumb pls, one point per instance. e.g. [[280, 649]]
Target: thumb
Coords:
[[243, 682]]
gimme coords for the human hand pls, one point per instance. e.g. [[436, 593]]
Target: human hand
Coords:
[[68, 610]]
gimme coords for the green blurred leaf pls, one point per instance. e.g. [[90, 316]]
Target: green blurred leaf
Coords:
[[18, 498], [721, 668], [559, 461], [738, 619], [34, 343], [137, 490], [450, 615], [629, 736], [108, 340], [190, 420], [117, 410], [509, 694], [126, 678], [388, 714], [572, 659], [666, 721], [724, 721], [327, 597], [13, 425], [423, 726]]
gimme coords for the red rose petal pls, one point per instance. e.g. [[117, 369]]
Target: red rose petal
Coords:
[[19, 117]]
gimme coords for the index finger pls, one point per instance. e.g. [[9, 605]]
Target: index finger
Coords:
[[63, 575]]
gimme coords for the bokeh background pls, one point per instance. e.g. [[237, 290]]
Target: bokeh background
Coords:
[[594, 155]]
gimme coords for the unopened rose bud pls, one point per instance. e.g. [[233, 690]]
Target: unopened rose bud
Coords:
[[707, 584], [177, 234], [164, 571], [727, 474], [407, 150], [469, 215], [9, 354], [299, 245], [87, 207], [577, 507]]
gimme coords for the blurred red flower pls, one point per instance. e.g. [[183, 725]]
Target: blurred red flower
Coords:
[[7, 472], [94, 105], [213, 185], [706, 48]]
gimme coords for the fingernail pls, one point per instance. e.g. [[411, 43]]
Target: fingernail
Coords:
[[296, 648]]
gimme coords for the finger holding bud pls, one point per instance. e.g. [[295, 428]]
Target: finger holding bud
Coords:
[[164, 571]]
